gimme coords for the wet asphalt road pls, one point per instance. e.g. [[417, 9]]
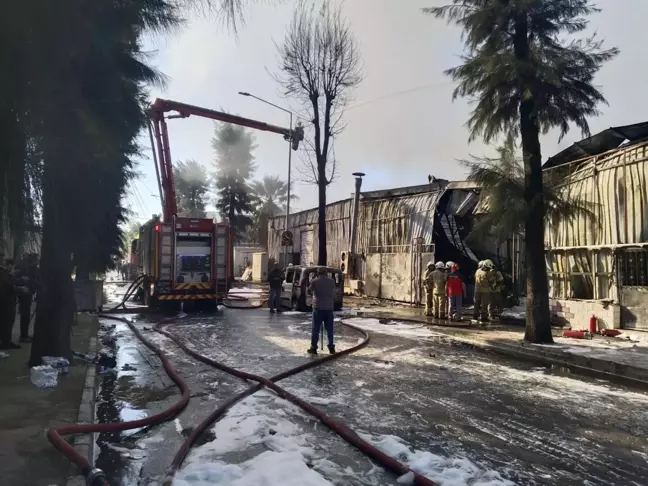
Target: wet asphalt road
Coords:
[[530, 424]]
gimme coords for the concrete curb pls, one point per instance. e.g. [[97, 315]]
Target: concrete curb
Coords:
[[85, 444], [602, 368]]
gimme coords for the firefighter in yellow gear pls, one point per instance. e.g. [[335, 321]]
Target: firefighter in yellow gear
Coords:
[[428, 286], [484, 282], [439, 280], [496, 303]]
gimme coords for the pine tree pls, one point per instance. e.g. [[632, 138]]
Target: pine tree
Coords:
[[234, 166], [191, 184], [528, 73]]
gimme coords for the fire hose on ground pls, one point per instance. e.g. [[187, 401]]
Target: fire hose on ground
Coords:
[[96, 477]]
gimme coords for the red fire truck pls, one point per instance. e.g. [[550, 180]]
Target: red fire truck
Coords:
[[187, 259]]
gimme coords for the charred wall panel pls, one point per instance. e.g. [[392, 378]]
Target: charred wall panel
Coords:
[[582, 250]]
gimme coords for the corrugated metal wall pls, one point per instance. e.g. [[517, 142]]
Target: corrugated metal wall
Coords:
[[391, 223], [580, 252], [338, 223]]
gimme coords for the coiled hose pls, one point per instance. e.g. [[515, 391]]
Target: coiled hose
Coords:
[[261, 300], [96, 477]]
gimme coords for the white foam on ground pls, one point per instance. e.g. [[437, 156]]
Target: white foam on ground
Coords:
[[353, 312], [446, 471], [516, 312], [249, 425], [268, 468], [587, 395]]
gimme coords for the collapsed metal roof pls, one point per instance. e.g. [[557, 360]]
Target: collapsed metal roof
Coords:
[[600, 143]]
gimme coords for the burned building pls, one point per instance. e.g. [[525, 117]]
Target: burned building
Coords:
[[398, 232], [598, 259]]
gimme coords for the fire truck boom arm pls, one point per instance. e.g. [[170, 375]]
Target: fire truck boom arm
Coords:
[[161, 106], [184, 110]]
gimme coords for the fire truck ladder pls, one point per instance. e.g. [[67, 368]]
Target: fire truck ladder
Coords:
[[160, 142]]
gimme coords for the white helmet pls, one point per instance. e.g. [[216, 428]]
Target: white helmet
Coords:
[[449, 264], [440, 265], [430, 264], [488, 264], [480, 264]]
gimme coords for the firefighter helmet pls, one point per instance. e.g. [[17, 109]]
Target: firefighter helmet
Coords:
[[488, 264], [430, 264], [440, 265], [449, 264]]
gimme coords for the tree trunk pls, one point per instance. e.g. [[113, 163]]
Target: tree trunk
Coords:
[[262, 232], [82, 270], [55, 306], [538, 322], [321, 214], [231, 216]]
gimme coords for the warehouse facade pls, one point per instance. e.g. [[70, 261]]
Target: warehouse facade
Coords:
[[398, 232], [598, 260]]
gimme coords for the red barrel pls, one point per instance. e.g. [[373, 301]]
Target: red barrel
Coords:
[[593, 324], [577, 334]]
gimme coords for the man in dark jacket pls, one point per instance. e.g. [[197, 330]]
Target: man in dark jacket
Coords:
[[323, 290], [7, 304], [275, 279]]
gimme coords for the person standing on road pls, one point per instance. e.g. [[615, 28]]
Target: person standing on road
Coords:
[[27, 281], [429, 288], [7, 305], [448, 270], [439, 280], [275, 279], [483, 284], [323, 289], [496, 297], [456, 291]]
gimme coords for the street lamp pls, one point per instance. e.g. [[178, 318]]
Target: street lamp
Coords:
[[245, 93]]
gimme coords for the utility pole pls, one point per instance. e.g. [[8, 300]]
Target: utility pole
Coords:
[[245, 93], [354, 222]]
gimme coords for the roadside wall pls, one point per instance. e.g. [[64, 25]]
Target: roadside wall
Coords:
[[577, 313]]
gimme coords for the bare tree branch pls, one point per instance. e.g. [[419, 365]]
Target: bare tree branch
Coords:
[[320, 64]]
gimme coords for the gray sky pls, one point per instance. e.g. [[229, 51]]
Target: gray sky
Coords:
[[402, 123]]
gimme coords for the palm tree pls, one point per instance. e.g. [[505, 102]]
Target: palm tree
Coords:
[[89, 109], [272, 193], [71, 106], [527, 73], [502, 190]]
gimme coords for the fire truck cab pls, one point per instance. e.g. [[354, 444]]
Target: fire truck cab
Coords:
[[184, 260]]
